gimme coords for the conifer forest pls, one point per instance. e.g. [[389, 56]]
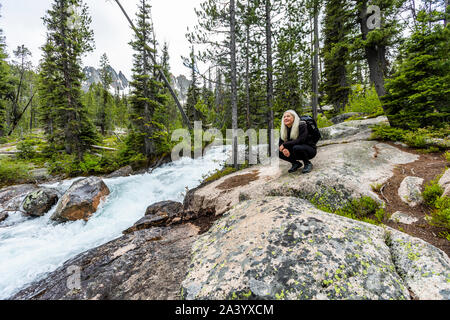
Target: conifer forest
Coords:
[[261, 57]]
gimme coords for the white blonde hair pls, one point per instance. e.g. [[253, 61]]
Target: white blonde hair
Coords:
[[294, 128]]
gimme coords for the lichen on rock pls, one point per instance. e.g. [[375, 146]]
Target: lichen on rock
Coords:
[[285, 248]]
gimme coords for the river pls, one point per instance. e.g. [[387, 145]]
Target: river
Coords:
[[32, 247]]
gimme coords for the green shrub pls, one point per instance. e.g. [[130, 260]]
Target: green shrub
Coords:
[[12, 171], [220, 173], [447, 156], [358, 209], [432, 191], [380, 214], [366, 101], [26, 150], [93, 164], [322, 121], [387, 133], [415, 139], [440, 216], [439, 204]]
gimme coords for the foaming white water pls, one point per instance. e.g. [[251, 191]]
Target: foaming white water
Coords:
[[32, 247]]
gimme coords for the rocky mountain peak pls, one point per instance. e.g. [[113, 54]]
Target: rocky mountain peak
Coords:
[[120, 82], [92, 75]]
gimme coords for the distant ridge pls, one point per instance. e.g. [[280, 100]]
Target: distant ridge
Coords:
[[120, 82]]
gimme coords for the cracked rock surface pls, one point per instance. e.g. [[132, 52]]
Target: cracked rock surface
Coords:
[[285, 248]]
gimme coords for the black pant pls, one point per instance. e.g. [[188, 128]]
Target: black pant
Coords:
[[302, 152]]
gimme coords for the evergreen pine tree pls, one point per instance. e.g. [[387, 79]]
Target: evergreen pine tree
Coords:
[[47, 84], [148, 94], [193, 94], [170, 116], [104, 112], [418, 95], [5, 84], [336, 29], [70, 36]]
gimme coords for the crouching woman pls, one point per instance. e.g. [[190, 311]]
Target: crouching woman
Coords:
[[295, 143]]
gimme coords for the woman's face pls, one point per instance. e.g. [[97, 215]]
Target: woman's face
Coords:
[[288, 119]]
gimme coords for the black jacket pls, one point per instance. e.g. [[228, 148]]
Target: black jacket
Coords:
[[303, 137]]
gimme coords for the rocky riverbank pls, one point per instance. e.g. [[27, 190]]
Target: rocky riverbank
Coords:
[[255, 234]]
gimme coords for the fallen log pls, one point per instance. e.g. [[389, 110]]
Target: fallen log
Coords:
[[103, 148]]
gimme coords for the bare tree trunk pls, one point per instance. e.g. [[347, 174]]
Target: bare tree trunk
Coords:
[[445, 12], [72, 143], [31, 117], [375, 55], [233, 80], [218, 89], [315, 75], [209, 80], [247, 75], [269, 74], [148, 143]]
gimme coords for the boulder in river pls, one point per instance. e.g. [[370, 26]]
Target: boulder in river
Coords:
[[81, 200], [122, 172], [157, 214], [3, 216], [39, 202]]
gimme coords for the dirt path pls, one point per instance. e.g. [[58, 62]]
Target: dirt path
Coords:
[[428, 166]]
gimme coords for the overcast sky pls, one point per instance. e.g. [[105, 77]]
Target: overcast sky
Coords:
[[22, 24]]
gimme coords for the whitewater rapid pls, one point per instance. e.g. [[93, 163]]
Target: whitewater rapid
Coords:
[[32, 247]]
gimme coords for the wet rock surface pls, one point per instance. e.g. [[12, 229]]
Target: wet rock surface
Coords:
[[148, 264], [158, 214], [284, 248], [3, 216], [81, 200], [122, 172], [39, 202], [11, 197]]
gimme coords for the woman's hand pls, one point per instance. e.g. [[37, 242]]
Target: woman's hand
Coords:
[[286, 152], [281, 148]]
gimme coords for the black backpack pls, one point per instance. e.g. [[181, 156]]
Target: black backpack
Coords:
[[313, 130]]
